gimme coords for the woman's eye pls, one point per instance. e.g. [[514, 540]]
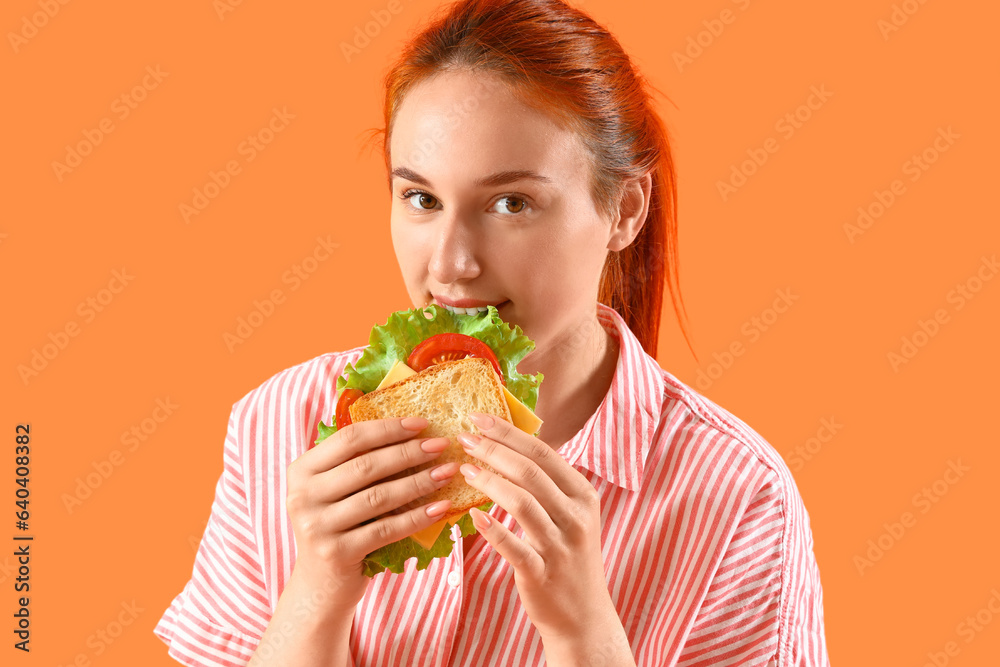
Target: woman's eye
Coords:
[[512, 204], [421, 200]]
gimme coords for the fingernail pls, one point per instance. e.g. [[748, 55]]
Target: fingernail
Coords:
[[469, 441], [481, 518], [482, 421], [438, 508], [434, 445], [444, 471], [413, 423], [469, 470]]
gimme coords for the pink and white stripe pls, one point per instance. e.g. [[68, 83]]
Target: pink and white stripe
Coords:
[[707, 546]]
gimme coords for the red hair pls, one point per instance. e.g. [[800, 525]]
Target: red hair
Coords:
[[561, 62]]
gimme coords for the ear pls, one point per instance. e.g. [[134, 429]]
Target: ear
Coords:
[[631, 214]]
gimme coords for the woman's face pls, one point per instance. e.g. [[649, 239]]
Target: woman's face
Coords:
[[491, 205]]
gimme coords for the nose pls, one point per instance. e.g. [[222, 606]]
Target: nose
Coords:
[[454, 252]]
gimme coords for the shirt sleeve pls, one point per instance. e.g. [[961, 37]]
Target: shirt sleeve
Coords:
[[219, 617], [803, 634], [761, 608]]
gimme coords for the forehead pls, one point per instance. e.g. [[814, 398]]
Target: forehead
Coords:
[[467, 126]]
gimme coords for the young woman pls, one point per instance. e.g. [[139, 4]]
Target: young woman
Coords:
[[644, 526]]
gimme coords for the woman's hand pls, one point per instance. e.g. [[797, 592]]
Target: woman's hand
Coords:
[[558, 568], [333, 488]]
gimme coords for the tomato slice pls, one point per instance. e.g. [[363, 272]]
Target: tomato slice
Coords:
[[448, 347], [343, 406]]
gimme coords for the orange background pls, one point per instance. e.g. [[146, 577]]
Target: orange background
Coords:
[[132, 541]]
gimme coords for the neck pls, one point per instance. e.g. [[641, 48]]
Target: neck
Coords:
[[579, 367]]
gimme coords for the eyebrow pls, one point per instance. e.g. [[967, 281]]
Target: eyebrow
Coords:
[[499, 178]]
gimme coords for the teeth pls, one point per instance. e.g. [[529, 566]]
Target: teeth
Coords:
[[468, 311]]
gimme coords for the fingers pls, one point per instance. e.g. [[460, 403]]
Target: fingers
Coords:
[[367, 469], [511, 548], [520, 474], [562, 474], [538, 524], [395, 527], [387, 496], [355, 439]]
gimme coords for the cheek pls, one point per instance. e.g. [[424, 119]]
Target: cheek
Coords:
[[555, 267], [408, 247], [573, 249], [396, 235]]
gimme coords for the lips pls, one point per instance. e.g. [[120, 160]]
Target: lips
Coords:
[[466, 306], [463, 303]]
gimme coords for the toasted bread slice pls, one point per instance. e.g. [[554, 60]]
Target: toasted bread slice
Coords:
[[444, 395]]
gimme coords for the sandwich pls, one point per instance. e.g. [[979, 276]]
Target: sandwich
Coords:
[[440, 365]]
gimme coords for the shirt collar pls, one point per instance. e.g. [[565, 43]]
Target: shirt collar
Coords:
[[614, 442]]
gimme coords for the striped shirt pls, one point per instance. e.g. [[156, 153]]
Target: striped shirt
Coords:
[[707, 547]]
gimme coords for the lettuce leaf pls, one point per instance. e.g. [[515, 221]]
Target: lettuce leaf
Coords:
[[393, 556], [394, 340]]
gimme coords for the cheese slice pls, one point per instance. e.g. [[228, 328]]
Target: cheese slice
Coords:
[[399, 371], [521, 416], [429, 535]]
